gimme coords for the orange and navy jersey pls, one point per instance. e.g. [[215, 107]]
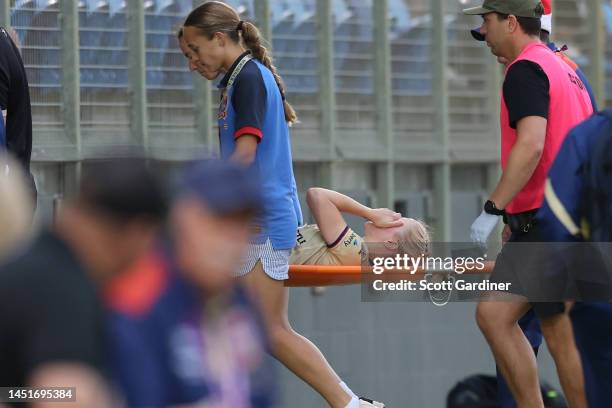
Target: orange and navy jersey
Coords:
[[166, 351]]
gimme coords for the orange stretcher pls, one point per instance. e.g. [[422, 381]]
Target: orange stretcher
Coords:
[[325, 275]]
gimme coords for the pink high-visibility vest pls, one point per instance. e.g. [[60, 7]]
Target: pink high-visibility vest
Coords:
[[569, 105]]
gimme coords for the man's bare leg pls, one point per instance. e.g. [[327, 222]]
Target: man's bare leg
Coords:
[[559, 336], [498, 321]]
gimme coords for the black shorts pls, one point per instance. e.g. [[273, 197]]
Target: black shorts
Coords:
[[528, 265], [590, 270]]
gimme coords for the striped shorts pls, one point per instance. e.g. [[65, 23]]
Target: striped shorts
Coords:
[[275, 262]]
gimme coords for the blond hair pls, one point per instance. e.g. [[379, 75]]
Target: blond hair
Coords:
[[415, 239], [216, 17]]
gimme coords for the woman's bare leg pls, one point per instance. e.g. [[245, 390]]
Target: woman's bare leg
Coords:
[[296, 352]]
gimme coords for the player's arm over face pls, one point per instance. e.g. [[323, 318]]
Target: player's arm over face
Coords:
[[327, 207]]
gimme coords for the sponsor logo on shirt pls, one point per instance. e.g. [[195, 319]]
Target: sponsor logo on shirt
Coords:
[[350, 239], [300, 238], [363, 254], [222, 114], [575, 80]]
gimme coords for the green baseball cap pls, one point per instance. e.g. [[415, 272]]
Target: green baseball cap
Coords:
[[519, 8]]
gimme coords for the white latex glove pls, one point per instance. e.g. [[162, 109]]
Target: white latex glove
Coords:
[[482, 227]]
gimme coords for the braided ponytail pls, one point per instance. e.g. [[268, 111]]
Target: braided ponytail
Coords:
[[252, 41]]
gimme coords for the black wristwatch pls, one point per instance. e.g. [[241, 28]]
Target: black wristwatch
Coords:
[[490, 208]]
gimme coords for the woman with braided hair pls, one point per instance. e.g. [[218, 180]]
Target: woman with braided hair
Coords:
[[254, 119]]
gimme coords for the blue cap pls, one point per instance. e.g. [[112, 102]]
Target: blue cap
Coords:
[[224, 188], [477, 34]]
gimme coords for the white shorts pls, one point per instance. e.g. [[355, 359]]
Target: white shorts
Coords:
[[275, 262]]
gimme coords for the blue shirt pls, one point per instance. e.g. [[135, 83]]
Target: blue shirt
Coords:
[[559, 221], [162, 346], [568, 161], [559, 217], [253, 105]]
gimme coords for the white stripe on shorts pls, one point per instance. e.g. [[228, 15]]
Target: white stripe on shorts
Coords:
[[275, 262]]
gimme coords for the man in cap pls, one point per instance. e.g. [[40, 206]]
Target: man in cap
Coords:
[[557, 330], [542, 100], [545, 33]]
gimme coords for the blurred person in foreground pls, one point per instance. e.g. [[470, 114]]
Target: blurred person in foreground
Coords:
[[51, 320], [182, 332]]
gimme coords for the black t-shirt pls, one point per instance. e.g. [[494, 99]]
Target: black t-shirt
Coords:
[[49, 312], [15, 99], [526, 91]]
